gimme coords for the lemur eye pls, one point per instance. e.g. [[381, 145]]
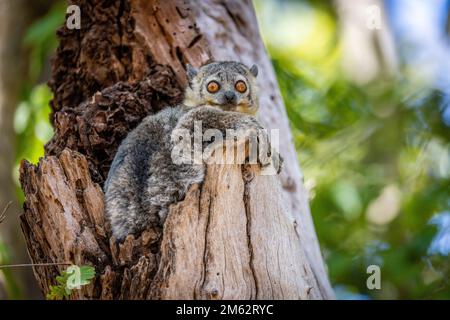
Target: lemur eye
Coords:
[[240, 86], [213, 87]]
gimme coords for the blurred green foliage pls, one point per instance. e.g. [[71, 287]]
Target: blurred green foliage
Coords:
[[8, 280], [375, 158], [31, 119]]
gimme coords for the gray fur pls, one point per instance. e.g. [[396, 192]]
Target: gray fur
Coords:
[[143, 180]]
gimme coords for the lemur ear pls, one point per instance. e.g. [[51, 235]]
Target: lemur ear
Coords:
[[254, 70], [191, 72]]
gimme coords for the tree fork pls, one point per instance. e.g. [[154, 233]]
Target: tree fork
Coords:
[[254, 240]]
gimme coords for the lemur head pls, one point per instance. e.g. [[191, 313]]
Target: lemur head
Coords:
[[228, 85]]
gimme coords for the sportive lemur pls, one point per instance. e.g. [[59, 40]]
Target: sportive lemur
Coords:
[[144, 180]]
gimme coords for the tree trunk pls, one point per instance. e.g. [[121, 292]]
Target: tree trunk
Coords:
[[230, 237]]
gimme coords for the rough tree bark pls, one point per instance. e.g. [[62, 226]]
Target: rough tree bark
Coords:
[[230, 237]]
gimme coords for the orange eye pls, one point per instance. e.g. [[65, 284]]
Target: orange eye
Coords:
[[240, 86], [213, 87]]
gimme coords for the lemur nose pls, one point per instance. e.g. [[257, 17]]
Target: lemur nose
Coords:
[[230, 96]]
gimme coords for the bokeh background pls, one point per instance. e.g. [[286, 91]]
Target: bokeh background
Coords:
[[366, 85]]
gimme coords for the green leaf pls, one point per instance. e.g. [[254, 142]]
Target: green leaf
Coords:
[[70, 279], [87, 274]]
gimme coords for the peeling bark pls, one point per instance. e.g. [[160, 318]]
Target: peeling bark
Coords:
[[229, 238]]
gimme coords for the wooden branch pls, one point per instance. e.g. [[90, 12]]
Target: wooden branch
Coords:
[[3, 214]]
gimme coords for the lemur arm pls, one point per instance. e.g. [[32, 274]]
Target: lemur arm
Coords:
[[214, 118]]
